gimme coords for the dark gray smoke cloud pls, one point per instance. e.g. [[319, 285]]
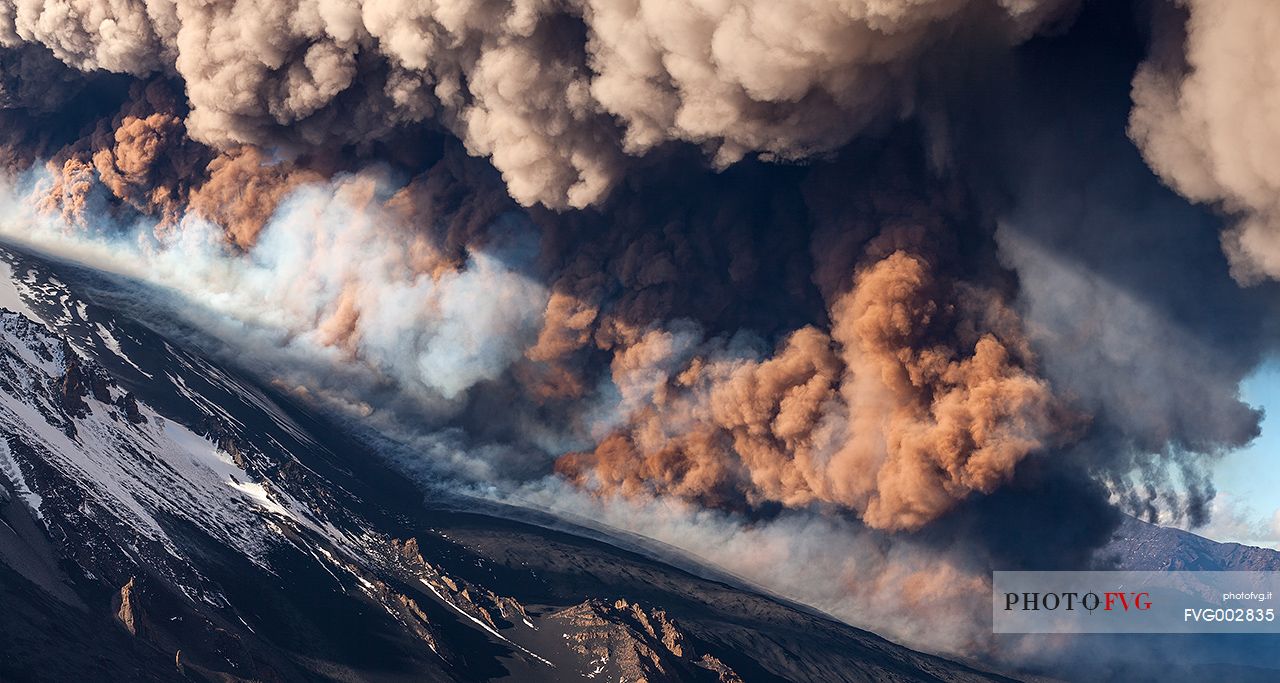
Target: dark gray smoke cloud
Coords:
[[1133, 304]]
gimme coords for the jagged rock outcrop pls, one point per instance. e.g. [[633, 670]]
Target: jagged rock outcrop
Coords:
[[81, 379], [497, 611], [127, 613], [129, 404], [642, 645]]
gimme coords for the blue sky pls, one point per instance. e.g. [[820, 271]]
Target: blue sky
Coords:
[[1248, 480]]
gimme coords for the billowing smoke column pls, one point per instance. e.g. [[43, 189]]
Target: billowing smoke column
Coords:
[[780, 266], [919, 395], [555, 93], [1204, 117]]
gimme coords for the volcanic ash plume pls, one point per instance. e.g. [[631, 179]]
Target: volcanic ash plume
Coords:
[[1204, 116], [557, 94], [920, 395], [542, 249]]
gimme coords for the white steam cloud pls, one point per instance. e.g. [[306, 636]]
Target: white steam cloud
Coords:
[[334, 276]]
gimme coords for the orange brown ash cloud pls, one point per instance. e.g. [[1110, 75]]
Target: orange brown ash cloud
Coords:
[[920, 394], [243, 190], [140, 156], [143, 158]]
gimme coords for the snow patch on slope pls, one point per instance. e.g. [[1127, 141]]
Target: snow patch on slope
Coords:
[[113, 345], [10, 470], [10, 297], [141, 473]]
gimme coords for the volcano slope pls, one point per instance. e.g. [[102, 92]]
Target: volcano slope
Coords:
[[163, 516]]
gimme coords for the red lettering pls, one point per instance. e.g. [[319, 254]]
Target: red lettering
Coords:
[[1140, 603], [1111, 600]]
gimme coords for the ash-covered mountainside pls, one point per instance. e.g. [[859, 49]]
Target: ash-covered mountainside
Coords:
[[163, 517], [1141, 546]]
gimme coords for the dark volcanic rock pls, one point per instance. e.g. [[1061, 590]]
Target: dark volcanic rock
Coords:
[[633, 643], [129, 404], [127, 611]]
